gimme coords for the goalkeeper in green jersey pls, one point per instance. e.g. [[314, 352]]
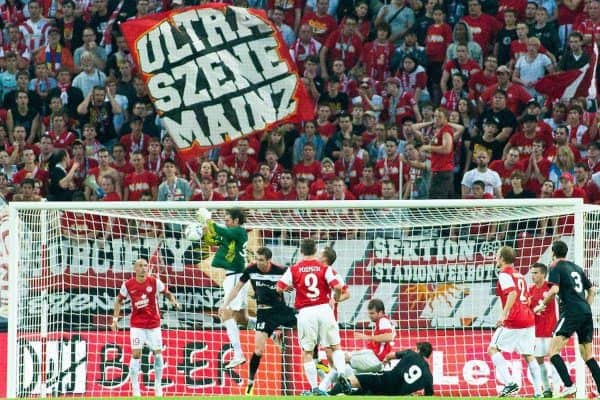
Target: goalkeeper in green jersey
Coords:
[[232, 240]]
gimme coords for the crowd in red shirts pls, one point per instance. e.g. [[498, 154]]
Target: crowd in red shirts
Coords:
[[414, 99]]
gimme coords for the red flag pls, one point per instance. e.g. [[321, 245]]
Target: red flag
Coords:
[[216, 73], [572, 83]]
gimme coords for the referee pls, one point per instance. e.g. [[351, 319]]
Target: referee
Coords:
[[576, 294], [272, 311], [408, 376]]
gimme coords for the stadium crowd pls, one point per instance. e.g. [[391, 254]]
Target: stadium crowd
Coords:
[[414, 99]]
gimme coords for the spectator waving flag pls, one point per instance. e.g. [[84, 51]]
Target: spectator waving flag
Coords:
[[216, 73], [572, 83]]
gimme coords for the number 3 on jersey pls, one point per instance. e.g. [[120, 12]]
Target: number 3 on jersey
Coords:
[[577, 282], [311, 281]]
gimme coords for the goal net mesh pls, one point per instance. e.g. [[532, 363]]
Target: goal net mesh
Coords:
[[433, 267]]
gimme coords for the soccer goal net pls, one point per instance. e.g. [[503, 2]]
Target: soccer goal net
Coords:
[[431, 263]]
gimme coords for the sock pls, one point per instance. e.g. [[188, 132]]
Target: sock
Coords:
[[501, 367], [134, 370], [254, 363], [562, 370], [545, 380], [158, 369], [536, 377], [233, 332], [310, 370], [316, 354], [326, 382], [339, 362], [595, 370]]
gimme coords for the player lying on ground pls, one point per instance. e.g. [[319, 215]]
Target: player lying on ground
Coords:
[[408, 376], [143, 290]]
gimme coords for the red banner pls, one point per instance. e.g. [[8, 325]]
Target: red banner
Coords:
[[97, 363], [216, 73]]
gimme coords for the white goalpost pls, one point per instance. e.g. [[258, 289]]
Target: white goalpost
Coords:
[[431, 262]]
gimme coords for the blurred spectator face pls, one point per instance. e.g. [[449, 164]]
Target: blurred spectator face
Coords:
[[529, 127], [392, 89], [302, 189], [338, 188], [324, 113], [391, 148], [369, 121], [139, 86], [271, 157], [322, 6], [125, 70], [107, 184], [27, 190], [206, 170], [222, 178], [482, 159], [522, 29], [35, 11], [11, 63], [349, 26], [530, 10], [581, 175], [78, 150], [41, 71], [573, 117], [206, 185], [462, 53], [380, 131], [139, 110], [575, 44], [541, 15], [477, 191], [566, 184], [532, 45], [28, 156], [361, 10], [345, 123], [308, 153], [367, 174], [547, 188], [4, 158], [103, 158], [408, 64], [454, 117], [474, 8], [242, 147], [516, 182], [22, 99], [122, 44], [327, 168], [168, 144], [19, 134], [232, 190], [46, 145], [499, 101], [561, 135], [14, 34], [513, 156], [169, 170], [491, 63], [68, 10], [265, 171], [338, 67], [347, 150], [89, 133], [509, 18], [87, 62], [88, 36], [137, 160], [154, 148], [457, 83], [410, 39], [55, 104], [538, 148], [53, 39], [305, 33], [64, 77], [438, 16], [100, 6], [99, 96], [392, 131], [388, 191], [594, 10], [285, 181], [439, 118], [309, 128], [136, 127], [277, 17], [119, 154], [142, 7], [58, 123]]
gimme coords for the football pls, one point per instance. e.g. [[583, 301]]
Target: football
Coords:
[[203, 215], [194, 231]]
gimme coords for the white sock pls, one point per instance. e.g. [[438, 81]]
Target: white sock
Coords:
[[158, 369], [310, 370], [501, 367], [233, 332], [326, 382], [544, 374], [534, 368], [339, 362], [134, 370]]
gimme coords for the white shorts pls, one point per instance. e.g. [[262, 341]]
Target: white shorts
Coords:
[[520, 340], [317, 324], [365, 361], [151, 337], [240, 302], [542, 344]]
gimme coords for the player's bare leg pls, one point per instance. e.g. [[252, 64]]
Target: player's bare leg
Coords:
[[158, 371], [502, 371], [233, 332], [134, 371], [536, 374], [556, 345], [588, 356]]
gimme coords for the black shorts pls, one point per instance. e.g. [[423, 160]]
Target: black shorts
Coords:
[[372, 383], [270, 319], [583, 325]]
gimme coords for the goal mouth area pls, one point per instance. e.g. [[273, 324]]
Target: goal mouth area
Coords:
[[331, 215]]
